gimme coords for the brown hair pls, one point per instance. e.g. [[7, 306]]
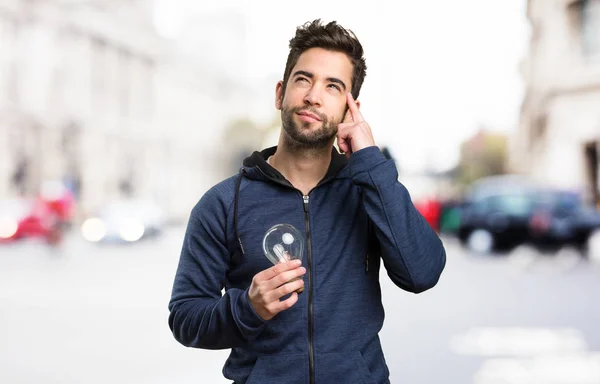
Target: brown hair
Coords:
[[333, 37]]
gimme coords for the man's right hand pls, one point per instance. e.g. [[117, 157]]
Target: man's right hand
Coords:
[[272, 284]]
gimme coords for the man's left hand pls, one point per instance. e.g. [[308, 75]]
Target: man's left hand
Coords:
[[354, 133]]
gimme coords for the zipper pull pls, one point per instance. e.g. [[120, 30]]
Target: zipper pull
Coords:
[[305, 198]]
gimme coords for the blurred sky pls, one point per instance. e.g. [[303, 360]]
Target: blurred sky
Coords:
[[437, 70]]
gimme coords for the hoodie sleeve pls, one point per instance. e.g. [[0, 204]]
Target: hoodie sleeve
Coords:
[[412, 252], [200, 315]]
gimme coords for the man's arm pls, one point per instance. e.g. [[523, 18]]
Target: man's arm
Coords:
[[200, 316], [412, 252]]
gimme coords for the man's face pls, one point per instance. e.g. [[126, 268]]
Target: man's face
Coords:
[[315, 98]]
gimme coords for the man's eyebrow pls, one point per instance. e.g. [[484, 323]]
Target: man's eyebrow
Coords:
[[303, 73], [329, 79], [338, 81]]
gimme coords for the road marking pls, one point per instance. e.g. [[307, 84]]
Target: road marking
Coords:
[[574, 369], [518, 341], [519, 355]]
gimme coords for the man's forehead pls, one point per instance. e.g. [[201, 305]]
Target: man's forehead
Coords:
[[324, 63]]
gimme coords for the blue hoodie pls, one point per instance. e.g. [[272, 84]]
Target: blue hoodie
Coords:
[[358, 215]]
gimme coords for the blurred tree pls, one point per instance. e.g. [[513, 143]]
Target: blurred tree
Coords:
[[271, 131], [242, 136], [482, 155]]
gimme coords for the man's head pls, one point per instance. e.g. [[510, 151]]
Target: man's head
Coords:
[[331, 37], [324, 63]]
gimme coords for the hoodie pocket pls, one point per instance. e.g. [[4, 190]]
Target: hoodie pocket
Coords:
[[347, 368], [277, 369]]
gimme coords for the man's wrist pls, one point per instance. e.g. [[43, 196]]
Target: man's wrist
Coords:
[[365, 159]]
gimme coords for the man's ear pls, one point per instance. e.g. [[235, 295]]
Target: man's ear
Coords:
[[279, 95]]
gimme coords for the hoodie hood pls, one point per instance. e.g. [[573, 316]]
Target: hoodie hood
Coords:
[[256, 166]]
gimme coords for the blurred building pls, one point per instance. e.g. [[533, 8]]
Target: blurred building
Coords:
[[90, 94], [559, 135]]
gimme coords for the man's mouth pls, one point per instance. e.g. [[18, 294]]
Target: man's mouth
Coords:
[[308, 117]]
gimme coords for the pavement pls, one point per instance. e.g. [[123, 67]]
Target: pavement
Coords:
[[83, 313]]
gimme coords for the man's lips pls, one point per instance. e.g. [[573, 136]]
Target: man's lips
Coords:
[[308, 117]]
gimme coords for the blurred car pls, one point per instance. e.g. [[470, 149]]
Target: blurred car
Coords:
[[561, 217], [28, 218], [495, 221], [431, 210], [504, 212], [59, 199], [124, 221], [449, 221]]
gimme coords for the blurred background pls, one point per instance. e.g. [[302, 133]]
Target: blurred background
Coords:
[[116, 116]]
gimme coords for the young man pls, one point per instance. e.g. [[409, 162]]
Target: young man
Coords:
[[353, 212]]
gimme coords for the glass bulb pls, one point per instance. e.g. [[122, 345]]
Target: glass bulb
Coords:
[[283, 242]]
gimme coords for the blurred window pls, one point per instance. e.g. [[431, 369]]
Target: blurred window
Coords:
[[538, 128], [561, 201], [518, 204], [590, 27], [482, 206], [8, 65], [99, 74], [125, 66]]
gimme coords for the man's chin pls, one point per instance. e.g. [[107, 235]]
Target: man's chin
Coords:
[[306, 125], [307, 139]]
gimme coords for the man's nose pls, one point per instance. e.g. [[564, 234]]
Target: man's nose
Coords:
[[313, 96]]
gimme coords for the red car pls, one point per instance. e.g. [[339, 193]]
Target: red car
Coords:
[[32, 218], [431, 210]]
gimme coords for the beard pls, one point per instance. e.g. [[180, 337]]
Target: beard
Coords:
[[300, 136]]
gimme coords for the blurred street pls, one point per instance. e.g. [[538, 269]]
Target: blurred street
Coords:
[[116, 117], [87, 313]]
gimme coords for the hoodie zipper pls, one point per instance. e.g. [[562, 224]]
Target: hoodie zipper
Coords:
[[311, 352], [305, 199]]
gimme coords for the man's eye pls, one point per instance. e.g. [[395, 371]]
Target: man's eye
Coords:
[[335, 86], [301, 79]]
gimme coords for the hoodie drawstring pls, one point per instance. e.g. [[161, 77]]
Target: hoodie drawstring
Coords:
[[235, 209]]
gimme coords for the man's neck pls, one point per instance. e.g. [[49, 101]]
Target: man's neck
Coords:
[[303, 168]]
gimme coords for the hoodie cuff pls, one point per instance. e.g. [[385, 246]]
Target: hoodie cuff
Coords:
[[247, 314], [365, 160]]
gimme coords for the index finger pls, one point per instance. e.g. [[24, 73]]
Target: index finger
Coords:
[[354, 111], [275, 270]]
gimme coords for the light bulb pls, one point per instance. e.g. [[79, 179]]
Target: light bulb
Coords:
[[283, 242]]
